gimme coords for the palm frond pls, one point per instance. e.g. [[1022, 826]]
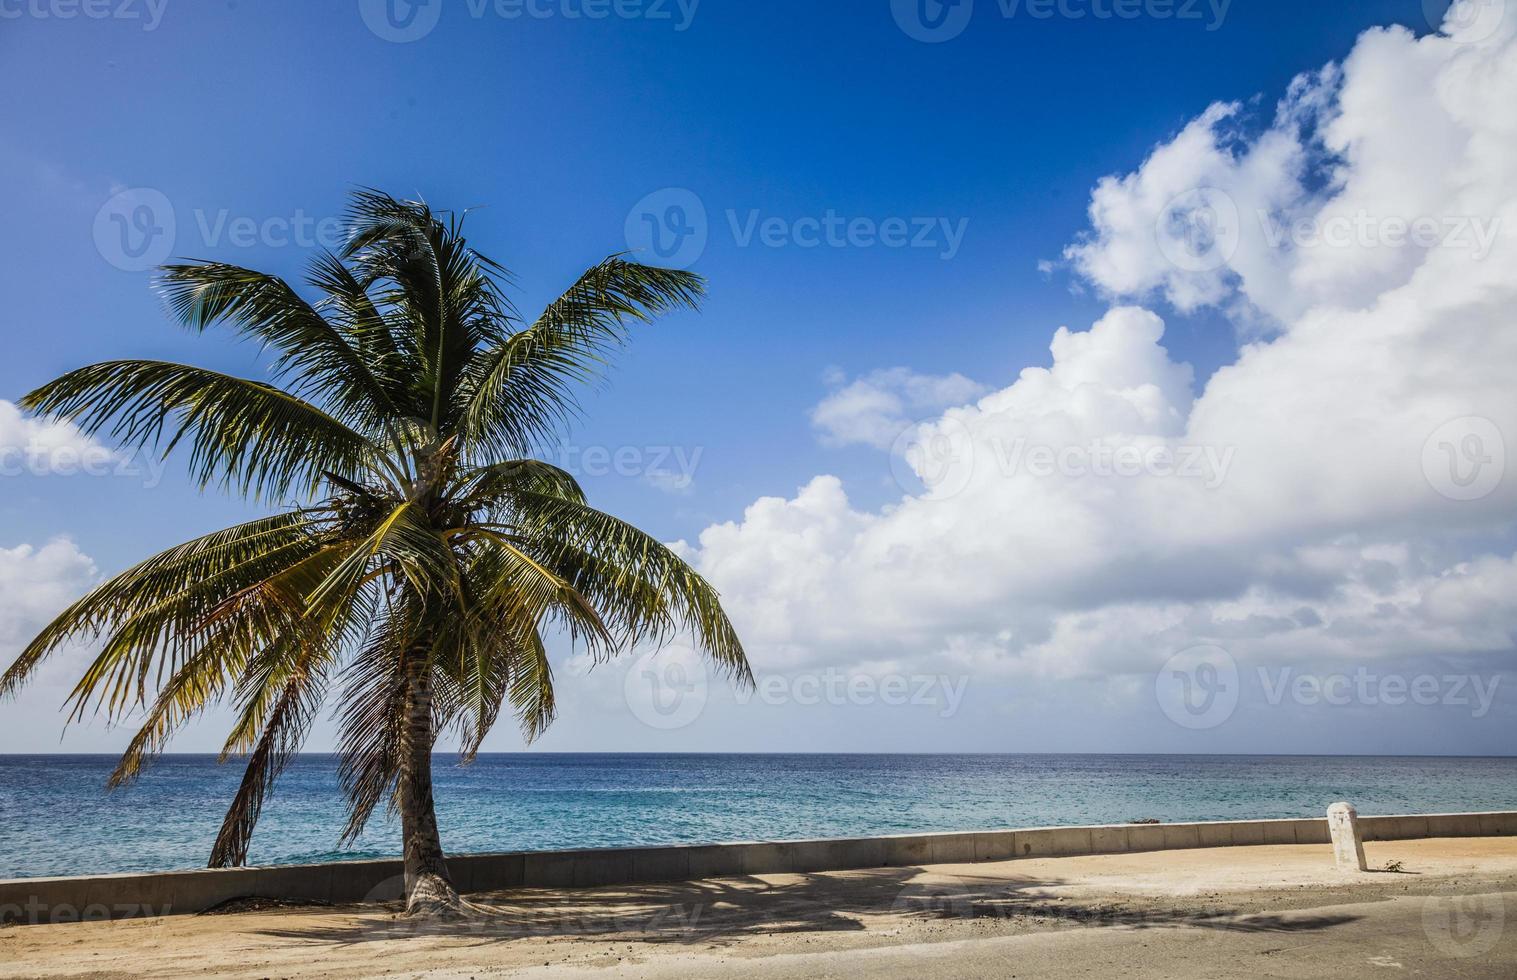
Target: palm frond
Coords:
[[312, 352], [249, 436], [532, 689], [521, 391], [642, 588], [220, 621], [287, 710], [491, 487], [206, 569], [516, 592], [448, 293], [373, 707]]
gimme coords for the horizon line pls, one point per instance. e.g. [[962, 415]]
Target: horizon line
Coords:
[[1217, 755]]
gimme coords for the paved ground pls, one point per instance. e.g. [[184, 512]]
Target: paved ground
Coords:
[[1451, 911], [1381, 938]]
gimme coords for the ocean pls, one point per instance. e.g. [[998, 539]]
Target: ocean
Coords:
[[56, 817]]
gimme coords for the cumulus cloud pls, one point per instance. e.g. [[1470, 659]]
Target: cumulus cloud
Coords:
[[31, 446], [875, 409], [1339, 492], [1365, 170], [23, 434], [35, 584]]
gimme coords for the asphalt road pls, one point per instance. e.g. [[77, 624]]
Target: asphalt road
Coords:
[[1446, 938]]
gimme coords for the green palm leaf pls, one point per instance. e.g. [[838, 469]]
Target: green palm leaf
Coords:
[[249, 436]]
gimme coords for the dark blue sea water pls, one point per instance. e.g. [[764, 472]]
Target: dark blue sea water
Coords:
[[56, 817]]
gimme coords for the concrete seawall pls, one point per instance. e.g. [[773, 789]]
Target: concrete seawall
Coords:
[[32, 900]]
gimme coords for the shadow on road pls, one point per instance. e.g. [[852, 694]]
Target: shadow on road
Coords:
[[721, 911]]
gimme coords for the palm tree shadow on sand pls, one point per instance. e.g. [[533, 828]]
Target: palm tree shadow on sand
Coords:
[[718, 912]]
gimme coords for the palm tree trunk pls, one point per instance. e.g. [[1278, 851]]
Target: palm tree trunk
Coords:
[[429, 888]]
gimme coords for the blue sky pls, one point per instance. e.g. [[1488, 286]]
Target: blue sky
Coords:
[[555, 126]]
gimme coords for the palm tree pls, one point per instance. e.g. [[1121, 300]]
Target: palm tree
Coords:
[[429, 551]]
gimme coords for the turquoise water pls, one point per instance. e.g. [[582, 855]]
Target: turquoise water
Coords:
[[56, 817]]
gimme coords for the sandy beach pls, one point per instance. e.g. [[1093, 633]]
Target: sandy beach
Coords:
[[1450, 910]]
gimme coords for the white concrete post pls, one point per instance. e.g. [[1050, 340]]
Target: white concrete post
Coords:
[[1348, 846]]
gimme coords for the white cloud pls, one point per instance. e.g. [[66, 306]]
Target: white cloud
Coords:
[[23, 434], [35, 585], [1366, 171], [875, 409], [1064, 533], [30, 446]]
